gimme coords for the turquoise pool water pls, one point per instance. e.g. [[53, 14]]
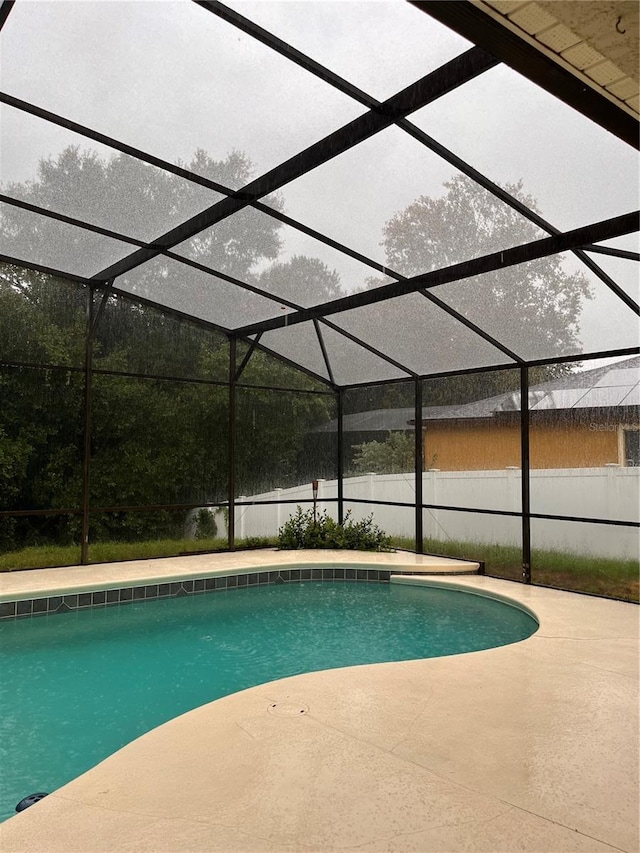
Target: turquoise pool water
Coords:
[[78, 686]]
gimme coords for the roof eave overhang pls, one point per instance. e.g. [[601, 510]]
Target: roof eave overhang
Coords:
[[535, 63]]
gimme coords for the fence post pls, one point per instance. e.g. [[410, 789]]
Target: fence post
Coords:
[[278, 492], [371, 485], [613, 491], [321, 493], [514, 498], [431, 531], [241, 519]]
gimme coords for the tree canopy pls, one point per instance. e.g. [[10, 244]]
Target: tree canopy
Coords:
[[468, 222], [160, 438], [394, 455], [533, 309], [159, 406]]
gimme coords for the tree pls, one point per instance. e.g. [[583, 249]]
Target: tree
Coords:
[[132, 198], [532, 308], [394, 455], [302, 280], [153, 440]]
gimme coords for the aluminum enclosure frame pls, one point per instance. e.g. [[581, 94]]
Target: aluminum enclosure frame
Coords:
[[393, 111]]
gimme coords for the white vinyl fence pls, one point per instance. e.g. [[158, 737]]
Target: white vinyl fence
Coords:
[[610, 492]]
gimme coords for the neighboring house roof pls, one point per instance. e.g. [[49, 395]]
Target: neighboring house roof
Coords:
[[613, 385]]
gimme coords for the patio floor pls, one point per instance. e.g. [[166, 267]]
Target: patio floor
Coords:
[[528, 747]]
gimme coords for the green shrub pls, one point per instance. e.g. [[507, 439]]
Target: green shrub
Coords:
[[303, 531], [205, 527]]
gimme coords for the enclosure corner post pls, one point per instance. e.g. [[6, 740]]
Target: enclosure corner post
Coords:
[[232, 443], [93, 318], [86, 438], [340, 451], [525, 465], [419, 465]]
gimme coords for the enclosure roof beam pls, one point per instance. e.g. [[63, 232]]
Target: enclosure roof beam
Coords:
[[616, 253], [288, 51], [444, 79], [30, 265], [603, 230], [109, 141], [291, 53], [327, 363], [491, 368], [5, 7]]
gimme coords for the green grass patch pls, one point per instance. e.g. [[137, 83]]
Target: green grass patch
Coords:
[[48, 556], [40, 557], [599, 575]]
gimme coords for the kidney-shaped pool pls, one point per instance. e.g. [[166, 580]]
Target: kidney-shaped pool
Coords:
[[77, 687]]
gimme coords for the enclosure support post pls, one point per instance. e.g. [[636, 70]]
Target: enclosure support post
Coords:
[[232, 443], [526, 484], [340, 451], [93, 317], [86, 442], [419, 465]]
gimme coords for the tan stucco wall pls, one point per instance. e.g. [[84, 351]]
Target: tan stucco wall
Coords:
[[481, 446]]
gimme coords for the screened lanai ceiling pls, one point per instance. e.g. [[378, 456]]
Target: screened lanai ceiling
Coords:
[[352, 186]]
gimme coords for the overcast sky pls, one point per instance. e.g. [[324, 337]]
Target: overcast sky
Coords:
[[169, 77]]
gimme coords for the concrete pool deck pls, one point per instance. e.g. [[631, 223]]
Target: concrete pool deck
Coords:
[[41, 583], [528, 747]]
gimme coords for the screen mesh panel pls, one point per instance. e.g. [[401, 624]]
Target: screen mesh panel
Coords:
[[624, 272], [115, 67], [279, 445], [471, 441], [370, 198], [352, 363], [379, 47], [379, 443], [43, 319], [133, 338], [266, 369], [495, 540], [516, 133], [145, 534], [278, 258], [39, 541], [70, 174], [157, 442], [176, 285], [28, 236], [299, 344], [546, 308], [595, 558], [419, 335], [41, 435]]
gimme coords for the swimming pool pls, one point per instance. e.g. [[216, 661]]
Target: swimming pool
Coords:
[[77, 687]]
